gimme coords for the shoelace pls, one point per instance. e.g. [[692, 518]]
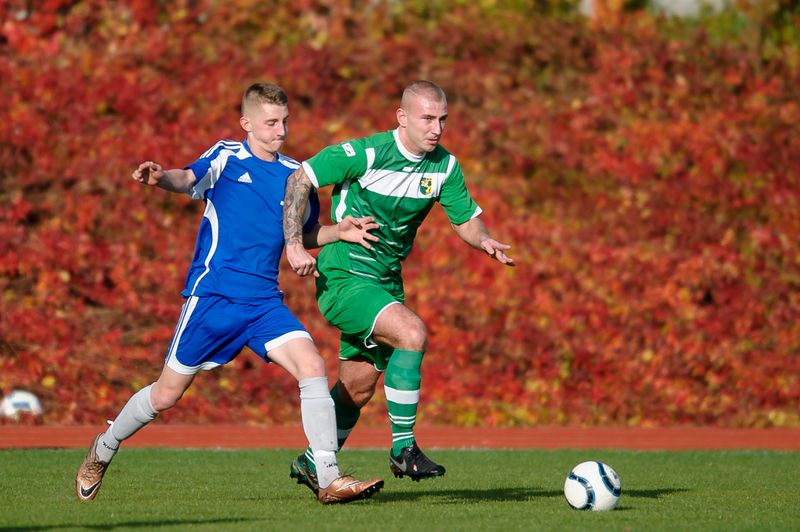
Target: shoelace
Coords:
[[93, 469], [349, 472], [421, 459]]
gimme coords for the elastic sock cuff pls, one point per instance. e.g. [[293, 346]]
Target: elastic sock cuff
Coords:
[[314, 388], [148, 403], [403, 359]]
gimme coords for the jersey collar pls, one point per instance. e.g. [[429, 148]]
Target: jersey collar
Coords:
[[407, 154], [250, 151]]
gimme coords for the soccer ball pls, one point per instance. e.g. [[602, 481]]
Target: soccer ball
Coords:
[[20, 401], [592, 486]]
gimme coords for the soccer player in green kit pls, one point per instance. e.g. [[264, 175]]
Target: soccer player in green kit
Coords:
[[395, 177]]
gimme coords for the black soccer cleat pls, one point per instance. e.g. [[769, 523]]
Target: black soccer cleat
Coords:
[[412, 462]]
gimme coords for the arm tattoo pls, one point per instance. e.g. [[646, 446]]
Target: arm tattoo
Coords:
[[298, 188]]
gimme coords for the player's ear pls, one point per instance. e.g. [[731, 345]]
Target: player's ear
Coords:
[[245, 123], [401, 117]]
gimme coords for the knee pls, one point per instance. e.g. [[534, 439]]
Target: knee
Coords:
[[308, 366], [164, 399], [357, 396], [300, 358], [417, 337], [315, 366], [362, 397]]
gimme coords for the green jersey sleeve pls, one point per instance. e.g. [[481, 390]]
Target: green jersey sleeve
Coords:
[[337, 163], [455, 198]]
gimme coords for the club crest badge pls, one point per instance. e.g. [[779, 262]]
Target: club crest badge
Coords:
[[425, 185]]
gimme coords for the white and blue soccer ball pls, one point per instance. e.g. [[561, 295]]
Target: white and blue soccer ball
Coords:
[[20, 401], [592, 486]]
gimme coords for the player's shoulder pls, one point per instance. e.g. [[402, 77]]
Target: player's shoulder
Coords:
[[357, 149], [441, 155], [364, 143], [440, 152], [229, 146], [288, 162], [380, 139]]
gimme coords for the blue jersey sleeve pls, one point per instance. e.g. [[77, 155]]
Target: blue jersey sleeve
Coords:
[[208, 168], [200, 169]]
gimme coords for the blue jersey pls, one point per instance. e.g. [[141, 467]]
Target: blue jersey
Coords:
[[240, 240]]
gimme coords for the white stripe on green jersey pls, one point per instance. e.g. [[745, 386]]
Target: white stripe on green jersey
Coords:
[[379, 177]]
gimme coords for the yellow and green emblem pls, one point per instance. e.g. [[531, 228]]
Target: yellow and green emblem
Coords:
[[425, 185]]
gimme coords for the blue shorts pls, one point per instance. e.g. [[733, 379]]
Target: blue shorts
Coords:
[[213, 331]]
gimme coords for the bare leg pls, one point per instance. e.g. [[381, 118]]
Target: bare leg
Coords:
[[300, 358], [402, 329], [399, 327], [357, 380], [169, 388]]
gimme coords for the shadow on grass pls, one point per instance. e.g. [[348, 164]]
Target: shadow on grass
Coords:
[[651, 494], [128, 524], [448, 496]]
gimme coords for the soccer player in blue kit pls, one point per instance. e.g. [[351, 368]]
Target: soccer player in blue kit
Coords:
[[232, 297]]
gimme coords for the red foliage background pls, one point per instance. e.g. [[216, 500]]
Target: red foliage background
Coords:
[[645, 171]]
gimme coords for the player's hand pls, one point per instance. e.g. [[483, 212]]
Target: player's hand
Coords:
[[301, 261], [356, 230], [148, 173], [496, 250]]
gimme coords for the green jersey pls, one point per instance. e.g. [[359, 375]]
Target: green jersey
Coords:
[[379, 177]]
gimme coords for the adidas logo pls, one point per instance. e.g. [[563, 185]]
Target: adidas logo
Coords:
[[245, 178]]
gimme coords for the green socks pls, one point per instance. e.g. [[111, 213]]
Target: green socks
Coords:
[[402, 383]]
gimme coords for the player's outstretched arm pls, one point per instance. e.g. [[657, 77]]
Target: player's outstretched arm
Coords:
[[298, 188], [350, 229], [177, 180], [474, 233]]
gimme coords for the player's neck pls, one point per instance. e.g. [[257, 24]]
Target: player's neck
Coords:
[[261, 152], [405, 142]]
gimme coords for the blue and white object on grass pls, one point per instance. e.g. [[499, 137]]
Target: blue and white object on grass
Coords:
[[20, 401], [592, 486]]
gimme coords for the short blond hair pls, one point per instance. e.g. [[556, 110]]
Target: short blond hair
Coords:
[[260, 93], [424, 88]]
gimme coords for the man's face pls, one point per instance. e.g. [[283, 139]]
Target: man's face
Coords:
[[267, 127], [422, 124]]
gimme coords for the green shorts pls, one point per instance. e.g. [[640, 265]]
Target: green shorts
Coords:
[[352, 304]]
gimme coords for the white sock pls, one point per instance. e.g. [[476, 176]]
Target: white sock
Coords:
[[136, 413], [108, 445], [319, 424]]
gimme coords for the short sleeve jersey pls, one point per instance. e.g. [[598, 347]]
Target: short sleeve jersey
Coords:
[[379, 177], [240, 240]]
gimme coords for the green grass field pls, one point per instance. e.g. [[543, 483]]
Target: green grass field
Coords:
[[202, 490]]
